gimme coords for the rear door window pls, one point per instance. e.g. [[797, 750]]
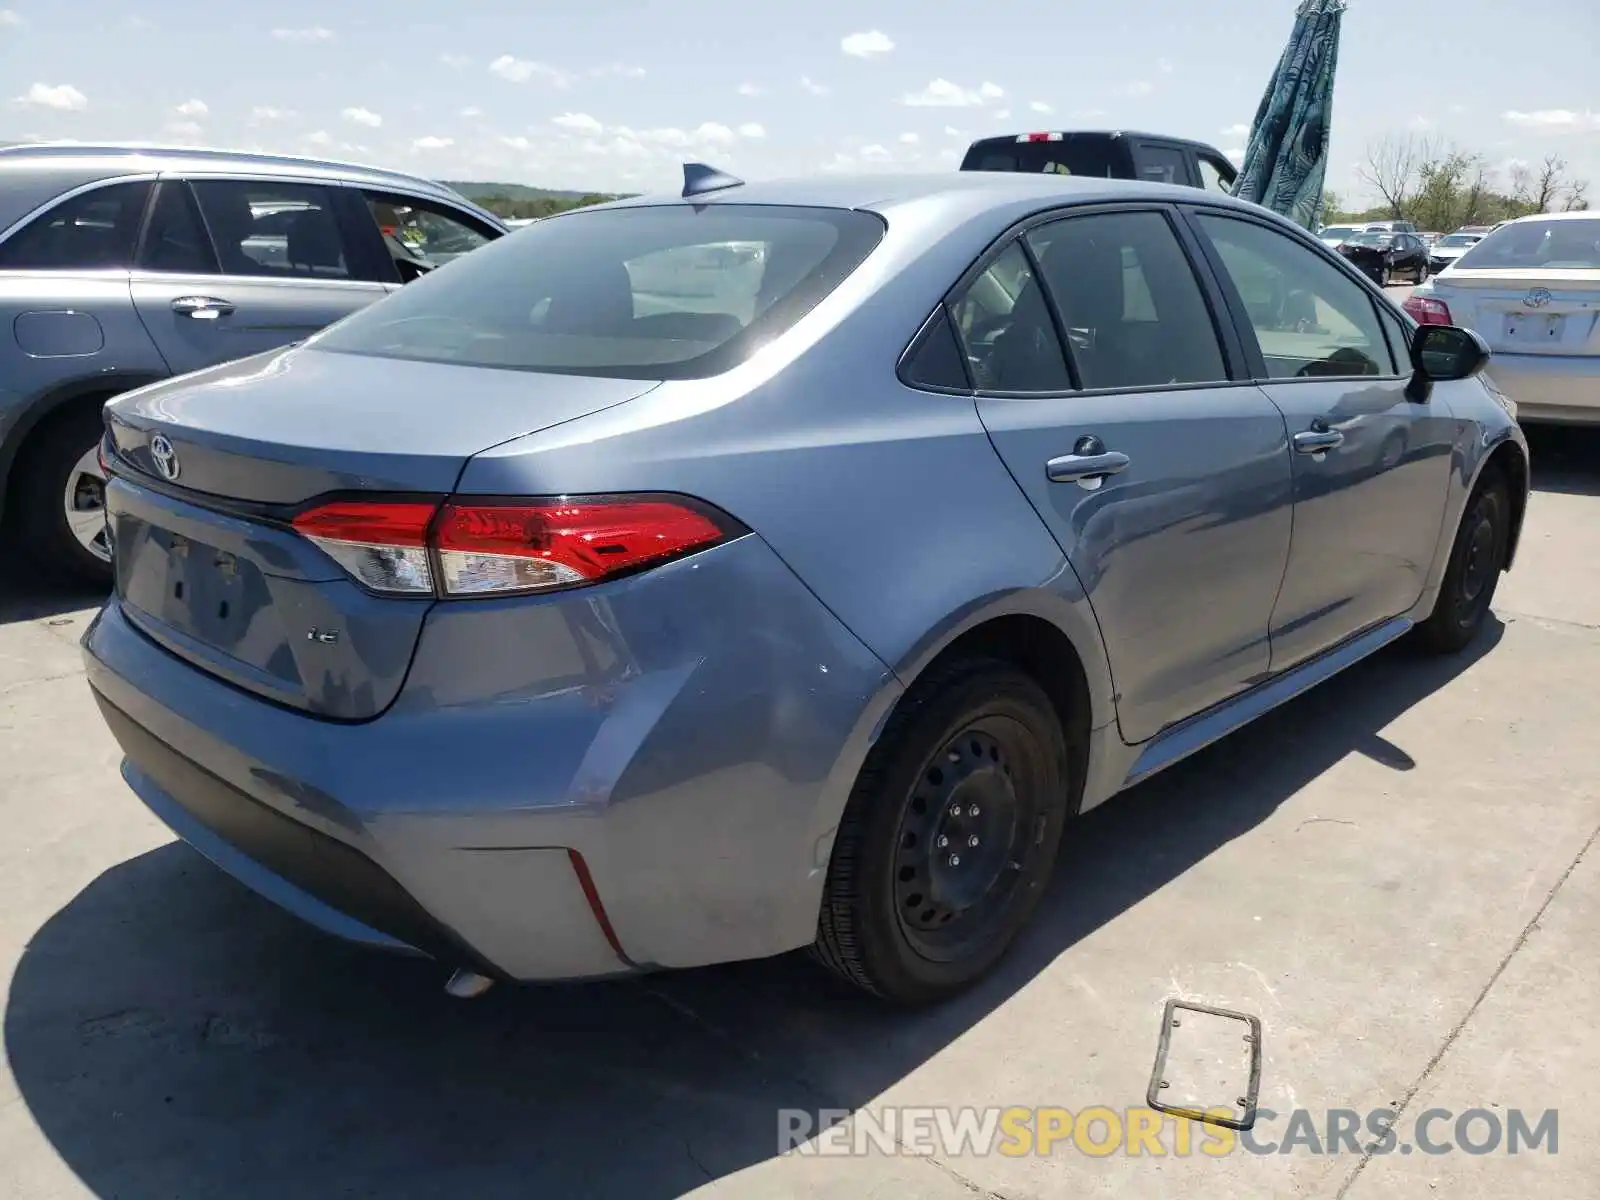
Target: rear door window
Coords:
[[1134, 313], [277, 230], [1163, 164], [651, 292], [1006, 329], [95, 230]]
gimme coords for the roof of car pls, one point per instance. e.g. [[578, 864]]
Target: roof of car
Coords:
[[881, 192], [114, 158], [1582, 214]]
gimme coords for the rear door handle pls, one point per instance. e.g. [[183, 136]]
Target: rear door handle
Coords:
[[1315, 441], [1077, 468], [202, 308]]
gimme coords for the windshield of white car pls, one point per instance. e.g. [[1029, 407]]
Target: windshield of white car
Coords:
[[1338, 231], [1571, 244], [1460, 239]]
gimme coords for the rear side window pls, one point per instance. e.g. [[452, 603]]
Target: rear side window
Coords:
[[663, 292], [92, 231], [175, 241], [280, 230], [1163, 164], [1135, 315], [935, 359], [1006, 330]]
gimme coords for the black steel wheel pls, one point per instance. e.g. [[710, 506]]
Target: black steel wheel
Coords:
[[1477, 557], [949, 835]]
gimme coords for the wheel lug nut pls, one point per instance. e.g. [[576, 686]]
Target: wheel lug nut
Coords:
[[955, 810], [943, 841], [973, 811], [973, 840], [955, 860]]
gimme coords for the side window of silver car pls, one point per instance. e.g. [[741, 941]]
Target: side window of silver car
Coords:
[[94, 230]]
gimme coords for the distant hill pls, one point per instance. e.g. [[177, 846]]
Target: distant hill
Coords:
[[512, 191]]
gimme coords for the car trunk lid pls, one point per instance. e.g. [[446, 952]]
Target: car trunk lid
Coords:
[[213, 467], [1552, 312]]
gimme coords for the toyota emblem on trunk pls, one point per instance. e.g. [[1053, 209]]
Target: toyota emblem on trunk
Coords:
[[1537, 298], [164, 456]]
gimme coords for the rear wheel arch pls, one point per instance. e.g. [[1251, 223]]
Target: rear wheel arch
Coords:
[[56, 404]]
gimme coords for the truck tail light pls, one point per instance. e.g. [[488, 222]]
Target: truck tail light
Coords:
[[460, 547]]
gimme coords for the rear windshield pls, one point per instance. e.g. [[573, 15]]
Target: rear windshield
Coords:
[[668, 292], [1070, 156], [1525, 245]]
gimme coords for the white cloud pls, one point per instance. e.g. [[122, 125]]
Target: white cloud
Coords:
[[815, 88], [265, 112], [315, 33], [9, 19], [433, 143], [1039, 106], [751, 129], [1234, 154], [909, 139], [1164, 65], [1554, 120], [1422, 124], [874, 43], [618, 70], [183, 131], [520, 70], [516, 143], [714, 133], [1236, 131], [1139, 87], [749, 89], [952, 131], [874, 153], [321, 139], [192, 108], [941, 93], [362, 116], [62, 96], [471, 112], [579, 123], [455, 61], [1457, 110], [1001, 114]]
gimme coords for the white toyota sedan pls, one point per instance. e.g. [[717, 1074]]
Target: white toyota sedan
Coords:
[[1531, 289]]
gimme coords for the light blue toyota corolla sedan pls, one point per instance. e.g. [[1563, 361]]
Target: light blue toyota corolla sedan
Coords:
[[700, 577]]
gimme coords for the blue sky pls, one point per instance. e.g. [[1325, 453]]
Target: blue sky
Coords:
[[614, 94]]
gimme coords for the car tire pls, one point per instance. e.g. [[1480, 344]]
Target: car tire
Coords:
[[1477, 557], [976, 754], [52, 461]]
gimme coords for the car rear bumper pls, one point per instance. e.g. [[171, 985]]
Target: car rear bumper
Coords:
[[1550, 388], [645, 774]]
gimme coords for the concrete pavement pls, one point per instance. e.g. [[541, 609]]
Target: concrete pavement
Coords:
[[1396, 874]]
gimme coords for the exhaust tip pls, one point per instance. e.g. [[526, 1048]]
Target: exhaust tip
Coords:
[[467, 985]]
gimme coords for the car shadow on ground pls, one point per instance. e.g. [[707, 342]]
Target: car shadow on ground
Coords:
[[1565, 458], [172, 1035]]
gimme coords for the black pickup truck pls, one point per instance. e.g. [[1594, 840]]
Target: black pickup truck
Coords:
[[1118, 155]]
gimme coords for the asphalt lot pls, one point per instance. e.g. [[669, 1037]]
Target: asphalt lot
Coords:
[[1397, 873]]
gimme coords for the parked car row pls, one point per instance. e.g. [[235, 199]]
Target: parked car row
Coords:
[[122, 266]]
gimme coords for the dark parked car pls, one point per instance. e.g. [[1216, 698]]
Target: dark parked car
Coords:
[[1153, 157], [1382, 256]]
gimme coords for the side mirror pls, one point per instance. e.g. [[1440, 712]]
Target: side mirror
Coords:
[[1443, 354]]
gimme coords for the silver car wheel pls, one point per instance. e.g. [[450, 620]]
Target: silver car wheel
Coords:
[[84, 502]]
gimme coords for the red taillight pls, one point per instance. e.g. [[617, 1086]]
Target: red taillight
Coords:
[[103, 459], [557, 543], [1039, 137], [1427, 310], [495, 548]]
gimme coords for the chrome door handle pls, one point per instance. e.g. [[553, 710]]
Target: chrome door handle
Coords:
[[1075, 468], [201, 308], [1315, 441]]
